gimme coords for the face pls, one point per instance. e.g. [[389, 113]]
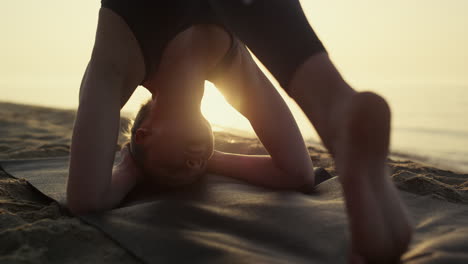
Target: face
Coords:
[[177, 151]]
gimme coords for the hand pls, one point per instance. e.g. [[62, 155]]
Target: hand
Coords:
[[127, 165]]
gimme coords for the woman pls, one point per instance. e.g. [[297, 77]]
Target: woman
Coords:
[[168, 151], [172, 47]]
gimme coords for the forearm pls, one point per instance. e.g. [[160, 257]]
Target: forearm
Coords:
[[92, 156], [93, 143], [258, 170]]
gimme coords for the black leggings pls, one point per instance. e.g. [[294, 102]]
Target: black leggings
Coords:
[[276, 31]]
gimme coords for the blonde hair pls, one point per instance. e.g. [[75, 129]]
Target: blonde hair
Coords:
[[137, 151]]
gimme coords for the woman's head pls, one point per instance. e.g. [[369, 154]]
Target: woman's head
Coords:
[[170, 148]]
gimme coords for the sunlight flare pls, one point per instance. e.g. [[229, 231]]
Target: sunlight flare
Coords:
[[219, 112]]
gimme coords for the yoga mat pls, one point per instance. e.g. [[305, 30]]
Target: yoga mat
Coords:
[[221, 220]]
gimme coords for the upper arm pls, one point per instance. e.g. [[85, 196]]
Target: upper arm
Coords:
[[252, 94]]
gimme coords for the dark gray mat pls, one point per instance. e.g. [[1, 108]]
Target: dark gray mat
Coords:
[[221, 220]]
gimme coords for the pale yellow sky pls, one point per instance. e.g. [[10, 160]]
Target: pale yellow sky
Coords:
[[376, 44]]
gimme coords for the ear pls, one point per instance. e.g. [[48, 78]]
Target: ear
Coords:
[[141, 135]]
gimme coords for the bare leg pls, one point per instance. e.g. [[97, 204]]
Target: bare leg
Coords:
[[355, 127]]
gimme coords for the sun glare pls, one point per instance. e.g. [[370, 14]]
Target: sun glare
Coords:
[[219, 112]]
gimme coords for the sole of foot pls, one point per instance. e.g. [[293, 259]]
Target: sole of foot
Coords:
[[379, 224]]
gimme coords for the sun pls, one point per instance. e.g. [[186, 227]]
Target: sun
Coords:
[[220, 113], [214, 107]]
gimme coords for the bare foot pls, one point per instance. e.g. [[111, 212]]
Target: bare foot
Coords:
[[379, 224]]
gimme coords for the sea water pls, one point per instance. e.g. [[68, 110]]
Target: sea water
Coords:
[[429, 124]]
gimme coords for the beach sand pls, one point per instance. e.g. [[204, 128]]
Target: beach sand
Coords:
[[33, 229]]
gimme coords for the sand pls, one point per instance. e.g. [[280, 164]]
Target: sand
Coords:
[[33, 229]]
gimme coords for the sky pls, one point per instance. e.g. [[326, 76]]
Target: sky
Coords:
[[384, 46]]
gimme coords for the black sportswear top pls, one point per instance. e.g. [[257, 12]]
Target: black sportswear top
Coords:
[[276, 31]]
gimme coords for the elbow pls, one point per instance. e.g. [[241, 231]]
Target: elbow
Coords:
[[80, 207], [302, 180], [297, 174], [80, 203], [84, 196], [76, 210]]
